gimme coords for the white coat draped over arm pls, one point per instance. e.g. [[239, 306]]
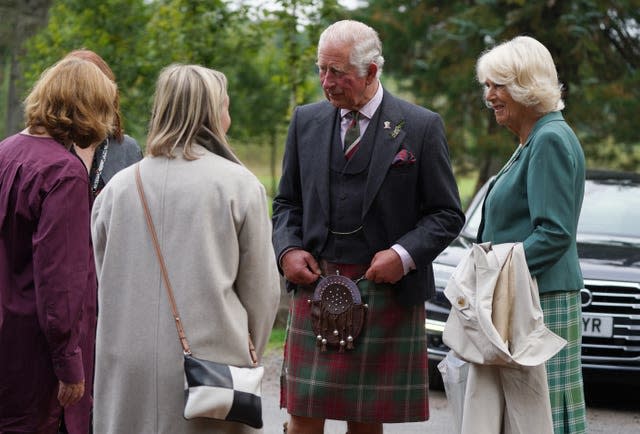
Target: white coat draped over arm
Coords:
[[497, 324]]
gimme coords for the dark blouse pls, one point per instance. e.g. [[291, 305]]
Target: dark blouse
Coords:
[[110, 157]]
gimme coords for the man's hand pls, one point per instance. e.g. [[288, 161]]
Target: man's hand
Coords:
[[386, 267], [300, 267], [69, 394]]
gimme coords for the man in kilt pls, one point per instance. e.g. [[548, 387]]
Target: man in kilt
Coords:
[[367, 192]]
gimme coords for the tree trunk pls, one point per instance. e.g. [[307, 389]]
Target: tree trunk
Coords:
[[21, 19], [14, 117]]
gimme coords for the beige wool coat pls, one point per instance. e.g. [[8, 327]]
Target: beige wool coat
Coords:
[[214, 230]]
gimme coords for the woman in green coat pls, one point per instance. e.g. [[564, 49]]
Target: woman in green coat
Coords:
[[536, 199]]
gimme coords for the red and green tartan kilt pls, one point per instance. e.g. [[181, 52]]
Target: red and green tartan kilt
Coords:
[[383, 379]]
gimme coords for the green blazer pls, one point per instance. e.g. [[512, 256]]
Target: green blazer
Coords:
[[536, 199]]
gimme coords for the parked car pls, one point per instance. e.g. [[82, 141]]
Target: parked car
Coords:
[[609, 251]]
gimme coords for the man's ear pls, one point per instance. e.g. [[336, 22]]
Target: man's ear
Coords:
[[371, 73]]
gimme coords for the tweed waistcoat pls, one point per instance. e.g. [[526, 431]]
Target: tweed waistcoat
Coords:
[[346, 242]]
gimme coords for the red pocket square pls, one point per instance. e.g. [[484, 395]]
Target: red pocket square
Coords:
[[403, 158]]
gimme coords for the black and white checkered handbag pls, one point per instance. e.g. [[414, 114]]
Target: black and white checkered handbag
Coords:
[[220, 391], [212, 390]]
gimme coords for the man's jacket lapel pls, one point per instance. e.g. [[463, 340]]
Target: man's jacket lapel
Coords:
[[386, 145], [325, 129]]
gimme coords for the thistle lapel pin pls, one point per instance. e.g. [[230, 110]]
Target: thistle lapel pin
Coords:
[[397, 129]]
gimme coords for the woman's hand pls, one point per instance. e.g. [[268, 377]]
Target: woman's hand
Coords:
[[69, 394]]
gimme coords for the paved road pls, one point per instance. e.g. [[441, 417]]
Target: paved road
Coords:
[[609, 410]]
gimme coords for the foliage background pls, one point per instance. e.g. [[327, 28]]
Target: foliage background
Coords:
[[267, 50]]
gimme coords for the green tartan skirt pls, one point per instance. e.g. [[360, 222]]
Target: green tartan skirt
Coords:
[[382, 380], [562, 315]]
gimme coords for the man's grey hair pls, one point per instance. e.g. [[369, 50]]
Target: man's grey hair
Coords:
[[365, 43]]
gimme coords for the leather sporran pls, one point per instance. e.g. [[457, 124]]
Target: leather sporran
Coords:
[[337, 312]]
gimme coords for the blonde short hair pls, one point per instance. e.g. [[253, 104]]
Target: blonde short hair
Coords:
[[187, 110], [73, 102], [525, 67]]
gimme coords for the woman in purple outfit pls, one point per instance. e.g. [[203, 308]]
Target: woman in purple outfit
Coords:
[[47, 272]]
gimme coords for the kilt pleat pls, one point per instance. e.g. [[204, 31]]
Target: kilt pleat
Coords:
[[562, 315], [383, 379]]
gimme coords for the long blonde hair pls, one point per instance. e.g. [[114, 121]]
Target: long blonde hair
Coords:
[[73, 102], [187, 110]]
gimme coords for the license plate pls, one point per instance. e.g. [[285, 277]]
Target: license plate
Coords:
[[597, 326]]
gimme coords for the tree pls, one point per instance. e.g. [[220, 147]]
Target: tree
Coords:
[[285, 64], [21, 19], [109, 27], [267, 54], [434, 46]]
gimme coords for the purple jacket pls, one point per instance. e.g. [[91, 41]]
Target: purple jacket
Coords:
[[47, 279]]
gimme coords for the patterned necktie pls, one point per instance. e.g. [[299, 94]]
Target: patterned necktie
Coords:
[[352, 136]]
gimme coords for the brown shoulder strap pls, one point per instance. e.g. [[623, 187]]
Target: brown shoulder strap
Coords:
[[163, 268], [165, 274]]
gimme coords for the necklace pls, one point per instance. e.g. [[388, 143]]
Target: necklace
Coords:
[[98, 172]]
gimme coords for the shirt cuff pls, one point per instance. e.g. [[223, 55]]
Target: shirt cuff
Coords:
[[407, 260], [284, 252]]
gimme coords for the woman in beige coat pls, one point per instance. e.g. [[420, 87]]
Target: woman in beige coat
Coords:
[[213, 227]]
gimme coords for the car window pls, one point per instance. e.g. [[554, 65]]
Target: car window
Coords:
[[611, 209], [473, 221]]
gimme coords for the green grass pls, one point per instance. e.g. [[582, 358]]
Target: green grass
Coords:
[[276, 340], [466, 187]]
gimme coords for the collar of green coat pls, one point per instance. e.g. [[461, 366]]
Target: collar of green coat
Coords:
[[544, 120]]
